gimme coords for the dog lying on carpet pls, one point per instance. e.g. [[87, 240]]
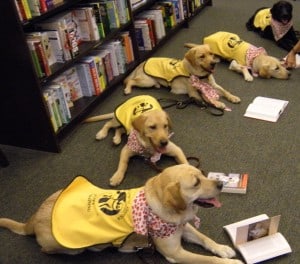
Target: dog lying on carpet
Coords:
[[245, 57], [148, 129], [275, 23], [68, 221], [198, 62]]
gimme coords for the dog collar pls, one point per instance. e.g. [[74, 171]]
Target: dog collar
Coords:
[[146, 222], [279, 29]]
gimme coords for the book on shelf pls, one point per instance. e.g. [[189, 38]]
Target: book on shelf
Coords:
[[142, 35], [73, 83], [169, 10], [55, 106], [43, 6], [59, 96], [98, 18], [86, 21], [137, 3], [113, 58], [100, 71], [35, 59], [91, 62], [105, 54], [54, 39], [42, 57], [127, 45], [178, 10], [265, 108], [257, 238], [68, 31], [26, 7], [50, 107], [47, 46], [85, 79], [123, 11], [112, 13], [117, 56], [34, 6], [63, 82], [232, 182], [157, 17], [151, 26]]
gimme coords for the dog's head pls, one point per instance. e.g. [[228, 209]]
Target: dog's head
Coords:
[[177, 189], [154, 129], [271, 67], [199, 60], [282, 11]]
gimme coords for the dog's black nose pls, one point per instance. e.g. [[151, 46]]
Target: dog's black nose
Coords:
[[163, 143], [220, 185]]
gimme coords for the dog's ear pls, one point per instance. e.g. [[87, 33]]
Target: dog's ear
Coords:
[[172, 197], [138, 123], [189, 45], [264, 71], [169, 121]]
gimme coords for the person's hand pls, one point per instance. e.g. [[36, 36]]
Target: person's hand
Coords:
[[291, 59]]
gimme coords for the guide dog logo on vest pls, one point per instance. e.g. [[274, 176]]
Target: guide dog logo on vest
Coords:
[[112, 204], [134, 107]]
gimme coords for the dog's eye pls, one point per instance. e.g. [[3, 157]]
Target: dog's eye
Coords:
[[153, 127], [166, 126], [197, 183], [202, 56]]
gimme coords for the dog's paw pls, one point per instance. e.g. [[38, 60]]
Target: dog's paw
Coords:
[[248, 77], [101, 135], [117, 140], [224, 251], [116, 179], [235, 99], [127, 90]]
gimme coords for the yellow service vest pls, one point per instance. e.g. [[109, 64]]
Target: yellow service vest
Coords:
[[263, 18], [85, 215], [165, 68], [134, 107], [228, 45]]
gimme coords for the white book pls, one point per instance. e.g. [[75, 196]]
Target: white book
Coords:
[[265, 108], [157, 16], [257, 238]]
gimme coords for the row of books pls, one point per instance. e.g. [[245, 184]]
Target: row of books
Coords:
[[88, 77], [27, 9], [151, 25]]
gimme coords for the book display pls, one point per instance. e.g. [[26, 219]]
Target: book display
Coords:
[[257, 238], [47, 59]]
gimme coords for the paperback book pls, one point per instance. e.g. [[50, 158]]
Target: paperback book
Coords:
[[257, 238], [232, 182], [265, 108]]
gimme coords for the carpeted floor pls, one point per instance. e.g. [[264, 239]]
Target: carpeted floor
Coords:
[[269, 152]]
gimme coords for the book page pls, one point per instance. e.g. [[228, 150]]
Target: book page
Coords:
[[231, 229], [257, 230], [264, 248]]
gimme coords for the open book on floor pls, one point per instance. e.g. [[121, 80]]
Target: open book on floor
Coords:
[[232, 182], [257, 238], [265, 108]]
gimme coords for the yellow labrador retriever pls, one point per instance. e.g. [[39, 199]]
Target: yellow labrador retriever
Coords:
[[245, 57], [148, 129], [198, 62], [84, 216]]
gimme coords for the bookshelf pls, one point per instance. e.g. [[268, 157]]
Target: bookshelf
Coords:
[[23, 111]]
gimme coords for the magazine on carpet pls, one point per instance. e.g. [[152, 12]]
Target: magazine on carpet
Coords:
[[257, 238]]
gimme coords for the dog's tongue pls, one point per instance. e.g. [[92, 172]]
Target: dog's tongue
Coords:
[[212, 202]]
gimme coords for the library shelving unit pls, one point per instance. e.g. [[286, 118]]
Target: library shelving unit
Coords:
[[24, 115]]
